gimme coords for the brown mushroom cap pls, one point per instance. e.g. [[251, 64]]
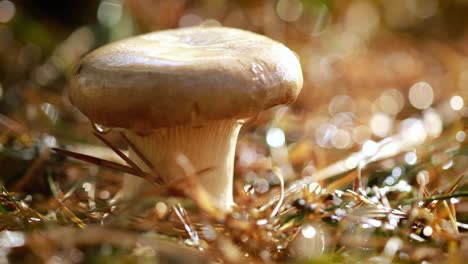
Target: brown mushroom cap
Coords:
[[184, 76]]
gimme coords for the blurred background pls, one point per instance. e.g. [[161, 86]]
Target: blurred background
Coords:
[[371, 68], [375, 71]]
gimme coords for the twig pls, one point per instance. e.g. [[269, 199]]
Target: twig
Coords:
[[183, 217], [452, 218], [130, 162], [450, 191], [120, 154], [99, 162], [196, 191], [136, 150], [71, 215], [280, 201], [142, 157], [436, 197]]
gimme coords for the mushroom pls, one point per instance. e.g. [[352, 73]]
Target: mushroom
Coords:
[[184, 91]]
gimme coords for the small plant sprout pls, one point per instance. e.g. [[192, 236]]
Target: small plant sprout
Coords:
[[182, 93]]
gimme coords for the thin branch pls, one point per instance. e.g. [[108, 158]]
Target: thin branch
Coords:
[[184, 218], [136, 150], [142, 157], [450, 191], [196, 191], [451, 216], [455, 185], [277, 173], [436, 197], [130, 162], [99, 162]]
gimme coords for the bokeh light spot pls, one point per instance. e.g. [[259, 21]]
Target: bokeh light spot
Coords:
[[275, 137], [109, 12], [342, 139], [411, 158], [460, 136], [289, 10], [421, 95], [362, 18], [381, 124], [457, 102], [413, 131], [7, 11], [324, 134], [390, 102], [308, 231]]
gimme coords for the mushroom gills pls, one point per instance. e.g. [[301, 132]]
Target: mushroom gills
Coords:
[[210, 148]]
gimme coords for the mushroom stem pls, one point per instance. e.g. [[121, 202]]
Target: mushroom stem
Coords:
[[211, 146]]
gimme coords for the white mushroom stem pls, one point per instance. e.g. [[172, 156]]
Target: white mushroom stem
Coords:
[[211, 146]]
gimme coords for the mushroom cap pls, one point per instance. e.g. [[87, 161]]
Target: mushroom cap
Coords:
[[184, 76]]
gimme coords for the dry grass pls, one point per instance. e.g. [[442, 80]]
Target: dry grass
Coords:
[[352, 215]]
